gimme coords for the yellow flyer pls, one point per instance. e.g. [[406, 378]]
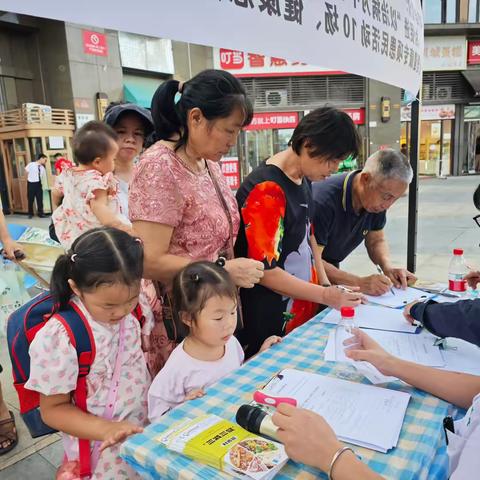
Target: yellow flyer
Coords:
[[226, 446]]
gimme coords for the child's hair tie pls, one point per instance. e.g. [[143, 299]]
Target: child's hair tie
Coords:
[[139, 240], [72, 257], [195, 277]]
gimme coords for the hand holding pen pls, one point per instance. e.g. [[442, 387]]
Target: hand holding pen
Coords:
[[380, 271]]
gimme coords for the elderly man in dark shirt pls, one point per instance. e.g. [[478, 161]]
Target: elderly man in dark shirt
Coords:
[[351, 208]]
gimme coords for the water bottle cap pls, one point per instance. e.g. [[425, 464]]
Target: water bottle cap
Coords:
[[458, 251], [348, 312]]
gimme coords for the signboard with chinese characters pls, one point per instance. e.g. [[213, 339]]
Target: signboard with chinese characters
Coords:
[[356, 114], [430, 112], [445, 53], [473, 52], [379, 39], [265, 121], [95, 43], [243, 64], [231, 171]]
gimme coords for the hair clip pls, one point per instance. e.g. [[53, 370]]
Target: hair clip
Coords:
[[195, 277], [177, 97], [72, 257]]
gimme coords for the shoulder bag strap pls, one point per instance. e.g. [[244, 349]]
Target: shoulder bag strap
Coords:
[[225, 208]]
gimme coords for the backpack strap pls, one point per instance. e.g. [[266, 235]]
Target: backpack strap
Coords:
[[81, 337], [138, 314]]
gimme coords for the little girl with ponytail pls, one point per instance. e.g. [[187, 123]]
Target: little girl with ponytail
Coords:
[[205, 299], [100, 279]]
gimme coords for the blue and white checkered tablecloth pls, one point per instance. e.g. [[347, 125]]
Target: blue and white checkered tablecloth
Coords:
[[420, 453]]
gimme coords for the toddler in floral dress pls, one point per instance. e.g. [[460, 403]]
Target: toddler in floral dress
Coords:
[[89, 191], [100, 276]]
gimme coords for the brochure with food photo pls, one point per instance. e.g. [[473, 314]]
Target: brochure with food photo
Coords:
[[226, 446]]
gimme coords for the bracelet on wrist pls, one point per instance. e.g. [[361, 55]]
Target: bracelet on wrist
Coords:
[[337, 455], [220, 261]]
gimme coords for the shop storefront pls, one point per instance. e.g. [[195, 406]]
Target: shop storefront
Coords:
[[436, 138], [282, 91], [472, 139]]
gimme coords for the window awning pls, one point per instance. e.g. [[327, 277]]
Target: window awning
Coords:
[[473, 78], [139, 90]]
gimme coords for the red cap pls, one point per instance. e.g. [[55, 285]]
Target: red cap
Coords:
[[458, 251], [347, 312]]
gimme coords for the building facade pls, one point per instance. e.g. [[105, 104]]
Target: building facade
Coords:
[[450, 128]]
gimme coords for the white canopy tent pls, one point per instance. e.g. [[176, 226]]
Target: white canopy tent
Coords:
[[379, 39]]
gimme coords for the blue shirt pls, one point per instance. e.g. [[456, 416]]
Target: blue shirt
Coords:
[[338, 228]]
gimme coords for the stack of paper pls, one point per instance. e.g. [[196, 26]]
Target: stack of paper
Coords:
[[378, 318], [400, 297], [461, 356], [364, 415], [226, 446]]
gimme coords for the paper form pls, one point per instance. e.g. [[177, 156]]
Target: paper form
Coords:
[[413, 348], [360, 414], [378, 318], [401, 297]]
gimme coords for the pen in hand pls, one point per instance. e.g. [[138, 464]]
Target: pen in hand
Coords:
[[380, 271]]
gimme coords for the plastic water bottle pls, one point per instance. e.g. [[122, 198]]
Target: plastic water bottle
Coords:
[[347, 321], [457, 270]]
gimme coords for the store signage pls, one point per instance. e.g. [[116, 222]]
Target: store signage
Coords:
[[379, 40], [430, 112], [82, 118], [231, 171], [243, 64], [95, 43], [445, 53], [356, 114], [265, 121], [473, 52]]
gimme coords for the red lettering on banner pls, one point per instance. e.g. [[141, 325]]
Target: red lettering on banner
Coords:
[[231, 59]]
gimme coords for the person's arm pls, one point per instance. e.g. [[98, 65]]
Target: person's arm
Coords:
[[309, 439], [163, 266], [456, 388], [319, 264], [58, 412], [379, 253], [9, 246], [158, 263], [370, 285], [285, 284], [56, 198], [100, 208], [459, 319]]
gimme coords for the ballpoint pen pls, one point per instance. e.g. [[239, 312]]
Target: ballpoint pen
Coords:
[[380, 271]]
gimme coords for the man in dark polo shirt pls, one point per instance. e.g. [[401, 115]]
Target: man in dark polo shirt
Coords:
[[351, 208]]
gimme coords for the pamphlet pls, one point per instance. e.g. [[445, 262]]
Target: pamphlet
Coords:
[[225, 446]]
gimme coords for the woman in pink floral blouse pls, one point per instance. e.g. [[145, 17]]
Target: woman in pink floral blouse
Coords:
[[180, 204]]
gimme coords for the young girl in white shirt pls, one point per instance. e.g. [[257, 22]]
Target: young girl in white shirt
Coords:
[[206, 301]]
